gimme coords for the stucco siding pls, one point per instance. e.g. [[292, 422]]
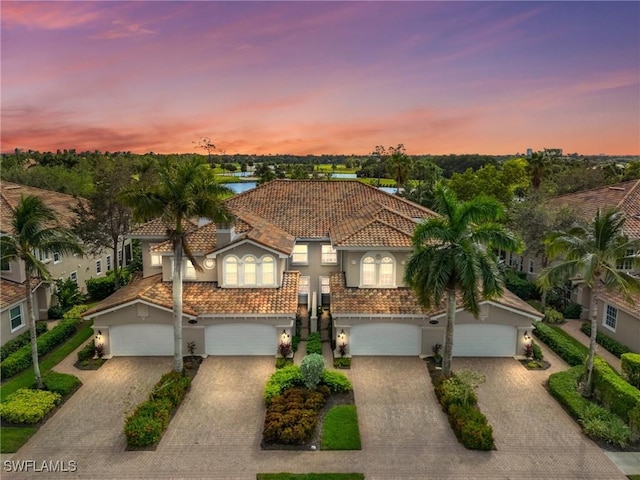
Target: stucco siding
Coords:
[[5, 325], [627, 329], [353, 260]]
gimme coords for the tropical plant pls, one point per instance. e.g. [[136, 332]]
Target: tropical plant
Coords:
[[453, 255], [35, 228], [592, 253], [399, 165], [184, 189]]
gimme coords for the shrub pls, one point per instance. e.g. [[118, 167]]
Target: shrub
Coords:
[[634, 419], [87, 352], [599, 424], [537, 351], [280, 380], [284, 349], [173, 387], [55, 312], [631, 368], [21, 340], [292, 417], [68, 294], [61, 383], [522, 287], [551, 315], [295, 341], [342, 362], [336, 381], [573, 310], [21, 359], [567, 347], [614, 392], [28, 406], [563, 386], [314, 343], [470, 427], [608, 343], [76, 311], [528, 350], [101, 287], [312, 367], [454, 391]]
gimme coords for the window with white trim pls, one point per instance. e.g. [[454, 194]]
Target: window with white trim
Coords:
[[98, 267], [249, 271], [378, 270], [324, 285], [300, 254], [611, 317], [156, 258], [531, 266], [303, 286], [189, 269], [230, 270], [73, 276], [329, 255], [268, 271], [626, 263], [56, 257], [16, 318], [119, 256], [108, 259]]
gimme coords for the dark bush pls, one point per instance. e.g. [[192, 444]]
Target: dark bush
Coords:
[[21, 359], [631, 368], [314, 343], [101, 287], [470, 427], [522, 287], [613, 391], [172, 387], [537, 351], [21, 340], [55, 312], [608, 343], [567, 347], [573, 310], [61, 383], [291, 418], [87, 352]]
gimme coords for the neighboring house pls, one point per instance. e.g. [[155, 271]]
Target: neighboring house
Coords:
[[77, 268], [339, 244], [617, 317]]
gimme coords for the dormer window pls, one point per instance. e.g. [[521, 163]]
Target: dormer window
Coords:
[[378, 270], [248, 271], [156, 259]]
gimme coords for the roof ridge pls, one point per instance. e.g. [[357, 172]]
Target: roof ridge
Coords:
[[603, 187], [631, 190], [368, 224]]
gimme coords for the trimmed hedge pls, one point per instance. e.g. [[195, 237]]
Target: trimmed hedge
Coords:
[[631, 368], [613, 391], [87, 352], [563, 386], [336, 381], [21, 359], [519, 285], [61, 383], [21, 340], [291, 376], [573, 311], [28, 406], [314, 343], [101, 287], [608, 343], [76, 311], [565, 346], [151, 418]]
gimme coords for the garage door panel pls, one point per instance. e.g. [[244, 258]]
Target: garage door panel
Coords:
[[484, 340], [385, 339], [241, 339], [141, 340]]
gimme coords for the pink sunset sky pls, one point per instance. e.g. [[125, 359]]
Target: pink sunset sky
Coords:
[[321, 77]]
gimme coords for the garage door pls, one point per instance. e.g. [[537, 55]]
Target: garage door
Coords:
[[141, 340], [241, 339], [385, 339], [484, 340]]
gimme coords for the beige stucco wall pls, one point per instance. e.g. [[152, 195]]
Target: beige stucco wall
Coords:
[[5, 325], [16, 272], [353, 259], [206, 275], [248, 248], [147, 269], [627, 329]]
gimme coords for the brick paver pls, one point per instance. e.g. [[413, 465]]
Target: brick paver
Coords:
[[405, 435]]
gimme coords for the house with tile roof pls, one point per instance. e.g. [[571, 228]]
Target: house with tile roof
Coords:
[[619, 318], [339, 244], [12, 298]]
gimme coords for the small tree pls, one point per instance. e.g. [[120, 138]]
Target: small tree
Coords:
[[312, 367]]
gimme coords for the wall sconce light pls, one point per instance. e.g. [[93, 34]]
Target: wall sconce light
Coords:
[[341, 334], [354, 261], [285, 335], [99, 335], [526, 335]]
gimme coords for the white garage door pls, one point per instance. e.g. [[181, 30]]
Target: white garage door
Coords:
[[141, 340], [241, 339], [484, 340], [385, 339]]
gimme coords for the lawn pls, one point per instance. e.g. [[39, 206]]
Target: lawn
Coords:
[[14, 437], [310, 476], [340, 429]]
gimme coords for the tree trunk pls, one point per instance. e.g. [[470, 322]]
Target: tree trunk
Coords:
[[116, 264], [32, 330], [447, 353], [177, 304], [593, 313]]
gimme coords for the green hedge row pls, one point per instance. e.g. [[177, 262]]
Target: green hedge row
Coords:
[[613, 346], [291, 376], [21, 340], [21, 360], [613, 391], [146, 425], [631, 368], [314, 343], [28, 406], [563, 344]]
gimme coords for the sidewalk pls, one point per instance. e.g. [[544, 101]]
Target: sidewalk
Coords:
[[572, 327]]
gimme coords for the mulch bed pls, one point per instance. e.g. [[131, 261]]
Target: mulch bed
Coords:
[[91, 364], [540, 364], [314, 441]]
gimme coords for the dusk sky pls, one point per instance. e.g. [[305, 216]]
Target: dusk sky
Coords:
[[321, 77]]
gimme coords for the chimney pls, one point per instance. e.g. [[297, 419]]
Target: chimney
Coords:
[[225, 234]]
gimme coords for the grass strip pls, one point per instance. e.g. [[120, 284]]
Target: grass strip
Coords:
[[340, 429], [14, 437]]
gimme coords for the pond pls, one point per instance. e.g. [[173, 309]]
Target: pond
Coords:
[[240, 187]]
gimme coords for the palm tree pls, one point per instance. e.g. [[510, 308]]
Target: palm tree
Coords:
[[35, 228], [454, 253], [399, 165], [184, 190], [593, 254]]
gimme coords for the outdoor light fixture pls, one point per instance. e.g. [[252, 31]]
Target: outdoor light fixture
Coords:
[[342, 334], [285, 334], [526, 335], [99, 334]]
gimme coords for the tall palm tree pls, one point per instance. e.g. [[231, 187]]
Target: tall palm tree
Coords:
[[185, 189], [454, 253], [593, 253], [35, 227], [399, 165]]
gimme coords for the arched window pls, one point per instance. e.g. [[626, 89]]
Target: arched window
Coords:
[[250, 270], [378, 270], [268, 271], [231, 270]]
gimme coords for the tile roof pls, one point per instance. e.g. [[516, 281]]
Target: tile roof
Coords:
[[61, 203], [398, 301], [158, 228], [617, 299], [203, 298], [202, 240], [310, 208], [261, 231], [625, 195], [10, 293]]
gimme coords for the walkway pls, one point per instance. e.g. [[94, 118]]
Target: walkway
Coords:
[[572, 327]]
